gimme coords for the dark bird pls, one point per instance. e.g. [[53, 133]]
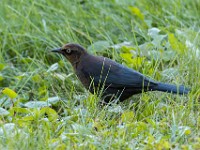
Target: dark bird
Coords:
[[109, 78]]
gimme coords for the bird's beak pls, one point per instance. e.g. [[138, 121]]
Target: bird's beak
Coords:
[[57, 50]]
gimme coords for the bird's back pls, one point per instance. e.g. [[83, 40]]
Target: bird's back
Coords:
[[103, 72]]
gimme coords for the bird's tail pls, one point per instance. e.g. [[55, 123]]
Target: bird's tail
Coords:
[[164, 87]]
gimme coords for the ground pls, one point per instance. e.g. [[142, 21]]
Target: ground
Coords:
[[44, 106]]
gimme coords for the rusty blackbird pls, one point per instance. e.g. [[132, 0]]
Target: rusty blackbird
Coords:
[[114, 80]]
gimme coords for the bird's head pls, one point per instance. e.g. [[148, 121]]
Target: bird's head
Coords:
[[71, 51]]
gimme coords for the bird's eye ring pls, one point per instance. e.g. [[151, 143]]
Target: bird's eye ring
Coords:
[[68, 51]]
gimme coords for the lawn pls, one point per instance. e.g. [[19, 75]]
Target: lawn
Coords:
[[44, 106]]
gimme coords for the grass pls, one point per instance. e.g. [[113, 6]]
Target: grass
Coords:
[[46, 107]]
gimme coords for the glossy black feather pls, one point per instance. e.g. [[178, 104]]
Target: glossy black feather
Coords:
[[119, 80], [110, 73]]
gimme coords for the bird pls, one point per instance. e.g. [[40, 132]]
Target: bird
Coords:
[[109, 79]]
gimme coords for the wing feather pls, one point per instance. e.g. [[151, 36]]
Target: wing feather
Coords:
[[106, 72]]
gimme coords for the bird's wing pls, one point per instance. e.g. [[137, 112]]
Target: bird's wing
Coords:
[[106, 72]]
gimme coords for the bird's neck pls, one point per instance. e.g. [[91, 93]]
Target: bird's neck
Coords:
[[78, 60], [75, 63]]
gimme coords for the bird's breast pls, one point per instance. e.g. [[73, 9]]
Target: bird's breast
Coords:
[[83, 77]]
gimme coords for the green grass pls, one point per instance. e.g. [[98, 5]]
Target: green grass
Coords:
[[52, 110]]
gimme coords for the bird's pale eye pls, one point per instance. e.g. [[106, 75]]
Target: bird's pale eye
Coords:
[[68, 50]]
